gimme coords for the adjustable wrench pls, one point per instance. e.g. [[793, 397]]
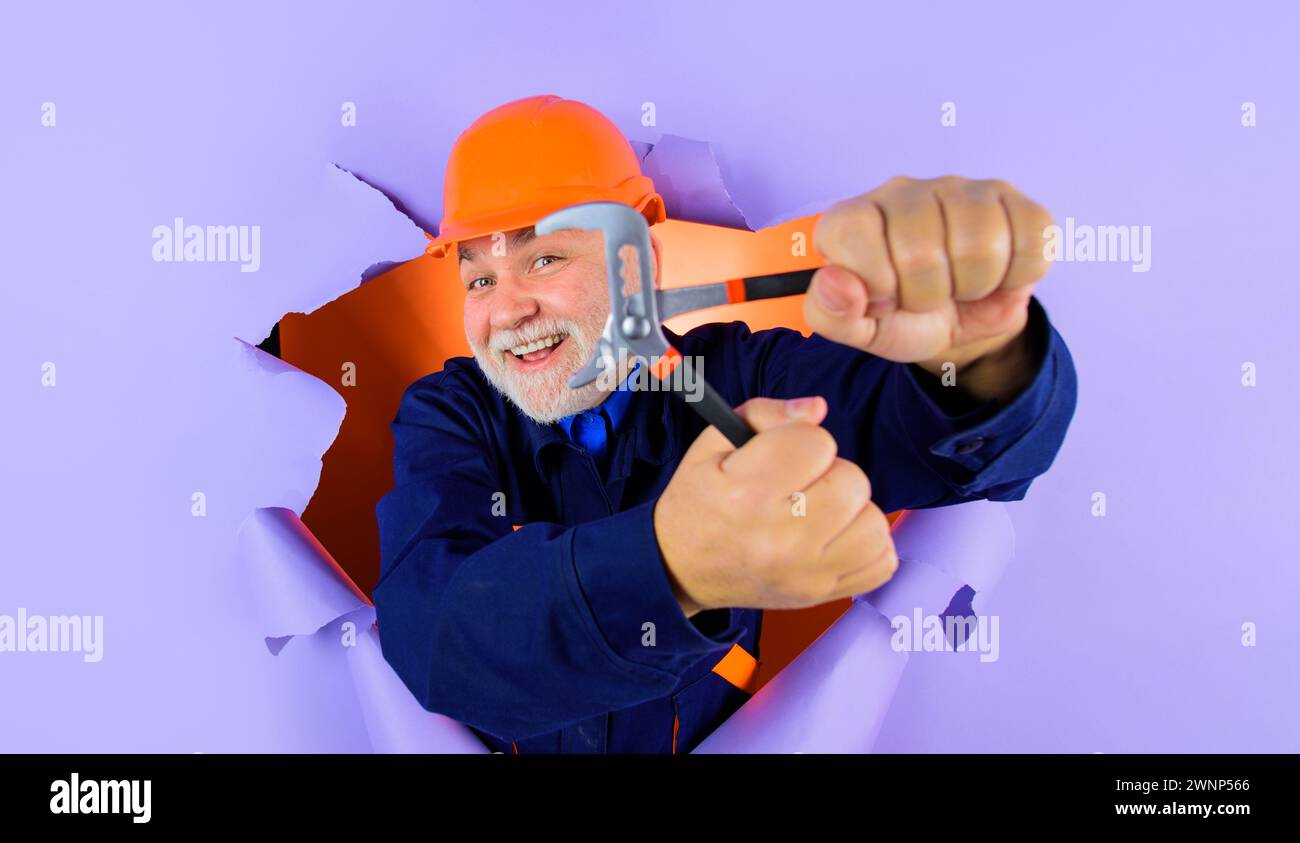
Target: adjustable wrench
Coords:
[[637, 309]]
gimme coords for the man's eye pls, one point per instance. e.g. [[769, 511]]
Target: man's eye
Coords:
[[545, 258], [474, 285]]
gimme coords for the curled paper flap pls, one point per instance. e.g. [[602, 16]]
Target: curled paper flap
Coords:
[[916, 585], [957, 546], [686, 173], [394, 719], [834, 696], [296, 417], [297, 586], [301, 590], [254, 359]]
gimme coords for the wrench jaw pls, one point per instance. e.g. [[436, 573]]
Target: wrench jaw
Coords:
[[603, 359], [634, 327]]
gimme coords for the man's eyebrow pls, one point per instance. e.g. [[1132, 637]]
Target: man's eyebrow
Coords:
[[520, 238]]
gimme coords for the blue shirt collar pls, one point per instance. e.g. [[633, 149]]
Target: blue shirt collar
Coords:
[[614, 405]]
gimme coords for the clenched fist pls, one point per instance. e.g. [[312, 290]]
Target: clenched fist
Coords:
[[931, 272], [732, 532]]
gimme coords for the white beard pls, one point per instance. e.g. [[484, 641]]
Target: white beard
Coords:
[[545, 397]]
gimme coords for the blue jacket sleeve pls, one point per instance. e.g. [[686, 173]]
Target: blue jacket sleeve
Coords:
[[919, 445], [516, 633]]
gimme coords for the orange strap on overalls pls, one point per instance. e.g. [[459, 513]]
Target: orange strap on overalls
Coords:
[[737, 667]]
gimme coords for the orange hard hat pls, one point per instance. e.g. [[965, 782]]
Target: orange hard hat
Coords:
[[522, 160]]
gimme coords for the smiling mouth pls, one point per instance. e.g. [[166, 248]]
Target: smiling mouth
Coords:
[[537, 350]]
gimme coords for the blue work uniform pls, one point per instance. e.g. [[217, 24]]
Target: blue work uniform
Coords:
[[522, 591]]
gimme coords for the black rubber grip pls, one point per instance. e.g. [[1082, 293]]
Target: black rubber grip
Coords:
[[712, 407], [778, 286], [715, 410]]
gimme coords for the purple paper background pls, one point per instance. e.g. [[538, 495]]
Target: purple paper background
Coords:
[[1118, 634]]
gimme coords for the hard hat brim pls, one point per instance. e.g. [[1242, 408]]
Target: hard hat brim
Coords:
[[451, 233]]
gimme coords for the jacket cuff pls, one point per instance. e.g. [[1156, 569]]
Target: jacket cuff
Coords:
[[995, 443], [621, 576]]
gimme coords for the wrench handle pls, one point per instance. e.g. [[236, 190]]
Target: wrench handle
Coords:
[[715, 410], [776, 286]]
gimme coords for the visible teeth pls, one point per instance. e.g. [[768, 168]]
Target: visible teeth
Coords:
[[537, 345]]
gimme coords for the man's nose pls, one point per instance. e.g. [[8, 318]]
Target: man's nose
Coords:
[[512, 304]]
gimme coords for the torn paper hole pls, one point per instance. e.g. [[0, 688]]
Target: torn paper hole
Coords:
[[832, 698]]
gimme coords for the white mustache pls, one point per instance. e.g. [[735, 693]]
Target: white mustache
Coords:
[[508, 340]]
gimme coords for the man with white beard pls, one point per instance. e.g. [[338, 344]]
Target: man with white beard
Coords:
[[586, 570]]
